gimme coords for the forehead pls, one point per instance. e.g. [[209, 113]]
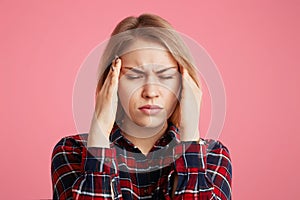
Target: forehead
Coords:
[[142, 53]]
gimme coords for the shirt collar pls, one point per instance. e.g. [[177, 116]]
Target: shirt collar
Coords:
[[172, 133]]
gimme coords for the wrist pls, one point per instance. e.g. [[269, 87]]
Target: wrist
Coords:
[[97, 137], [189, 135], [187, 139]]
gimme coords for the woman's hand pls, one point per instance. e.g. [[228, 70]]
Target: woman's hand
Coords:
[[191, 97], [105, 108]]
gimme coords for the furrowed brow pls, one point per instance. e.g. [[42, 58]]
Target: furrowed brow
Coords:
[[166, 69], [134, 70]]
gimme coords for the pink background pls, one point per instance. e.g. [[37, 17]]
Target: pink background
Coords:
[[255, 45]]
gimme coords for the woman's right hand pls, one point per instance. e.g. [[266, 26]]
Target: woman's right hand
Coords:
[[105, 108]]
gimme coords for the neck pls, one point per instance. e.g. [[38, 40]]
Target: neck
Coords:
[[143, 137]]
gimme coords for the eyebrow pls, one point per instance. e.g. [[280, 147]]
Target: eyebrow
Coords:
[[134, 69]]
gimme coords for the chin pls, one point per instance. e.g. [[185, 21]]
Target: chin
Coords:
[[151, 122]]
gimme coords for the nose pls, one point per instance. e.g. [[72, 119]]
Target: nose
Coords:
[[150, 91]]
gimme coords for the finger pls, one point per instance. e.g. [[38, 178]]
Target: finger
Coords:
[[111, 81], [114, 69], [187, 76], [107, 98], [114, 74], [188, 81], [191, 94], [190, 107]]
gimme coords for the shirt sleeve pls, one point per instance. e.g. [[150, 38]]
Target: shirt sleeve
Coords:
[[83, 173], [203, 171]]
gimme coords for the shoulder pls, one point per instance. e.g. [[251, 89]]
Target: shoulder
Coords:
[[68, 151], [219, 167], [217, 155], [70, 143], [214, 146]]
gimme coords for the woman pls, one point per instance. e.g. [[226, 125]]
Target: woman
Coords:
[[143, 141]]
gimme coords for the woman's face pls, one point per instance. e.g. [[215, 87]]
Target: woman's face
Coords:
[[149, 84]]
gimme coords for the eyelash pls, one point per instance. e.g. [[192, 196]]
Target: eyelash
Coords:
[[132, 77], [166, 77]]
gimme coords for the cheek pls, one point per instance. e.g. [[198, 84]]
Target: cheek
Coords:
[[123, 95], [171, 95], [125, 89], [173, 88], [127, 95], [172, 100]]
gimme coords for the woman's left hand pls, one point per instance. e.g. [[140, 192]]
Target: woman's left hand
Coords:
[[191, 97]]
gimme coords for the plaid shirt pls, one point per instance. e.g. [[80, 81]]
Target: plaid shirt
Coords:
[[203, 171]]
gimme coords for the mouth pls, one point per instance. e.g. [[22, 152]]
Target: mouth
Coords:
[[150, 109]]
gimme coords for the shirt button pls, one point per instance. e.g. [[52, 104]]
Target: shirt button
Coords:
[[146, 191], [107, 159]]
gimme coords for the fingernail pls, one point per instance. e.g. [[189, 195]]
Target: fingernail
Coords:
[[116, 58], [111, 67]]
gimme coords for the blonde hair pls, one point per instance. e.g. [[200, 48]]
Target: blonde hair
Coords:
[[147, 27]]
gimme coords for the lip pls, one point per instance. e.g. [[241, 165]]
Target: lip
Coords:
[[150, 109]]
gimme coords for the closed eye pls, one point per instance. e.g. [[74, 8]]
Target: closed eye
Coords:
[[166, 77], [132, 77]]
